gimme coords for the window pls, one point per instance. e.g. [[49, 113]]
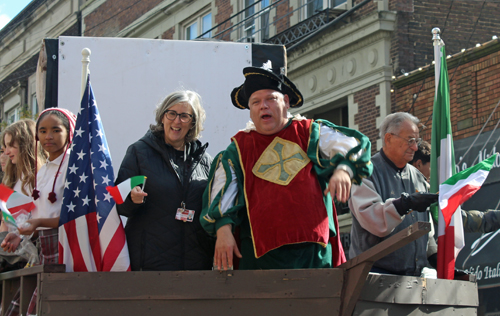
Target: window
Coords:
[[14, 114], [256, 20], [200, 26], [312, 7], [34, 106]]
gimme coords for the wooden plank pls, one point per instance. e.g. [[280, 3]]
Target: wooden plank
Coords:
[[391, 244], [240, 307], [452, 292], [383, 309], [397, 289], [358, 268], [354, 280], [51, 268], [28, 286], [192, 285], [9, 289]]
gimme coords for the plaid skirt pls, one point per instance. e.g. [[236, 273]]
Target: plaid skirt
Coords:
[[48, 243]]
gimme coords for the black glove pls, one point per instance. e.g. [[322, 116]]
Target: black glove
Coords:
[[416, 201]]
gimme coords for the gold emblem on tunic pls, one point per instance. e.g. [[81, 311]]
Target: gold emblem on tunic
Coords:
[[280, 162]]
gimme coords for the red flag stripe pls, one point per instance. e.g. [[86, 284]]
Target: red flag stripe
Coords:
[[5, 192], [95, 244], [78, 261], [456, 200], [118, 241], [27, 207], [60, 249], [446, 255], [115, 193]]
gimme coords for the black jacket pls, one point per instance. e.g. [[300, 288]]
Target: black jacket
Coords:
[[156, 240]]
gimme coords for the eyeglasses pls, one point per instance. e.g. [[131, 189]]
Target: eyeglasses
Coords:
[[172, 115], [411, 141]]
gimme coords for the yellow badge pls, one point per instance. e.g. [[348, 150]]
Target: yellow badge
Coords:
[[280, 162]]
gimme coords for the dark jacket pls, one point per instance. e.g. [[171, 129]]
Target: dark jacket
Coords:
[[156, 240]]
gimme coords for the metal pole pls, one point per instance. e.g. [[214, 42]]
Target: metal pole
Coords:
[[438, 43]]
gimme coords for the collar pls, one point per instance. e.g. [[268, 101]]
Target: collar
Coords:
[[390, 163], [58, 160], [297, 117]]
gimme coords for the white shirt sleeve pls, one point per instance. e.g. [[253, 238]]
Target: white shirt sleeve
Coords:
[[333, 142], [376, 216], [229, 196]]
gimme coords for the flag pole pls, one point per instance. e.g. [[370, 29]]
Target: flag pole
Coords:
[[85, 69], [437, 42]]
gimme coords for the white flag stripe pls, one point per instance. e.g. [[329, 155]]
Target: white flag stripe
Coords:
[[441, 224], [456, 221], [18, 199], [83, 236], [108, 230], [444, 160], [63, 240], [125, 188], [119, 264], [447, 190]]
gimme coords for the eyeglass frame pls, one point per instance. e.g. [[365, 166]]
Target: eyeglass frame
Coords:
[[191, 117], [410, 141]]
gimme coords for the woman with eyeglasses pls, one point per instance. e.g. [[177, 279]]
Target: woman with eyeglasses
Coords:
[[163, 228]]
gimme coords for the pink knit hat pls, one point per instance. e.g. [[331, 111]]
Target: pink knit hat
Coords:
[[72, 121]]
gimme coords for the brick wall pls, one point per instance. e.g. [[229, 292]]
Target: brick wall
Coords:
[[367, 113], [456, 19], [168, 34], [114, 15], [224, 12], [474, 92], [364, 10], [283, 20]]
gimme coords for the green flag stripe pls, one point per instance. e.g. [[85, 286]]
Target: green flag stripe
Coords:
[[137, 180], [485, 165]]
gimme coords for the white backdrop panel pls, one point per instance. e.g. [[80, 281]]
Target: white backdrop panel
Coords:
[[131, 76]]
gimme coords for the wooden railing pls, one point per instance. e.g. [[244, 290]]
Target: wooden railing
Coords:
[[337, 291], [25, 280]]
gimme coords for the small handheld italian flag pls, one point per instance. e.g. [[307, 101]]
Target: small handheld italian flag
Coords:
[[121, 191], [9, 199]]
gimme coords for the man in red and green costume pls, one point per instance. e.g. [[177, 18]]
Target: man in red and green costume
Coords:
[[274, 178]]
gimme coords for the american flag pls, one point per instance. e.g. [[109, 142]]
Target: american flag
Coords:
[[91, 235]]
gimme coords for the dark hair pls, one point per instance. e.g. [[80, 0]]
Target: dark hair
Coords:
[[59, 115], [423, 153]]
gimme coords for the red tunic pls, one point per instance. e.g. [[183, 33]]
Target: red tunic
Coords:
[[282, 193]]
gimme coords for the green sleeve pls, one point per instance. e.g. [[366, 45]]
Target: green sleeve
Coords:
[[357, 158], [481, 222], [212, 216]]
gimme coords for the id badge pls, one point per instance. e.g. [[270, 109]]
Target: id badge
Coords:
[[184, 215]]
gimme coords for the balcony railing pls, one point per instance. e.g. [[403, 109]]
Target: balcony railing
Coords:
[[257, 27]]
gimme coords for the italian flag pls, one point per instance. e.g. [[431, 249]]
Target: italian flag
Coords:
[[450, 233], [454, 192], [5, 193], [19, 202], [121, 191]]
